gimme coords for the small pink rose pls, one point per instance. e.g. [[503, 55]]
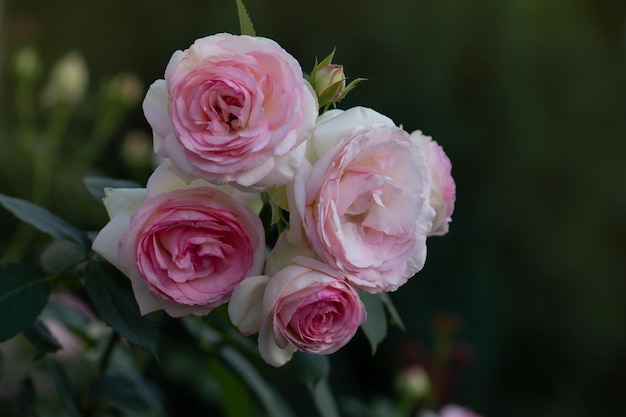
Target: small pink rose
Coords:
[[184, 249], [363, 206], [232, 109], [443, 187], [305, 306]]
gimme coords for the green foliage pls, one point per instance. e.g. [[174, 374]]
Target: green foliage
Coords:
[[63, 387], [24, 293], [308, 368], [272, 402], [44, 220], [96, 185], [234, 397], [127, 391], [245, 23], [375, 327], [41, 338], [111, 293]]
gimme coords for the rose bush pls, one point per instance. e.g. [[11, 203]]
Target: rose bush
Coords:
[[184, 246], [443, 187], [361, 199], [305, 306], [232, 109]]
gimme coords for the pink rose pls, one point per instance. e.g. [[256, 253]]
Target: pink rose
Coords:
[[364, 204], [305, 306], [232, 109], [443, 187], [184, 246]]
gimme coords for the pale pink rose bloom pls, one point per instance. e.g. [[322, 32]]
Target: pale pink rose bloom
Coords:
[[232, 109], [443, 187], [305, 306], [184, 246], [363, 206]]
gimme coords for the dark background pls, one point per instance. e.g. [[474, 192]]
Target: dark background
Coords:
[[527, 97]]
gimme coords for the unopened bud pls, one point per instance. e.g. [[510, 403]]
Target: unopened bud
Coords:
[[68, 81], [413, 383], [27, 64], [330, 81], [125, 89]]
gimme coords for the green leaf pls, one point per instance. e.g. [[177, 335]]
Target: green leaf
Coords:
[[24, 293], [245, 23], [235, 399], [273, 404], [324, 400], [391, 309], [328, 60], [309, 368], [350, 87], [96, 185], [41, 338], [114, 300], [63, 387], [375, 327], [44, 220], [126, 390], [60, 255]]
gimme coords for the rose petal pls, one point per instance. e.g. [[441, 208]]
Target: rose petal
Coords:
[[245, 307], [269, 349]]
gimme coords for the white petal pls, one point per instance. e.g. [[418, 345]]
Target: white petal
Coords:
[[108, 238], [330, 130], [289, 245], [245, 307], [155, 109], [284, 167], [145, 299], [269, 350], [123, 201]]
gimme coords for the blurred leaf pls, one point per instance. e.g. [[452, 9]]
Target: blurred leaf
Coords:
[[375, 327], [309, 368], [235, 399], [324, 400], [59, 255], [391, 309], [41, 338], [126, 390], [26, 397], [113, 297], [96, 185], [63, 388], [44, 220], [273, 404], [23, 294], [202, 332], [245, 23]]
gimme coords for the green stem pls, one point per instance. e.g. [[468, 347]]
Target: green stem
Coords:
[[324, 400], [108, 351], [103, 130]]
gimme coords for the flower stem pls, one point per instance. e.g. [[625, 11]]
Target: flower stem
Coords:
[[324, 400], [108, 351]]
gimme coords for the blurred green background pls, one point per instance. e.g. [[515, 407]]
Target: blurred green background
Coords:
[[527, 97]]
